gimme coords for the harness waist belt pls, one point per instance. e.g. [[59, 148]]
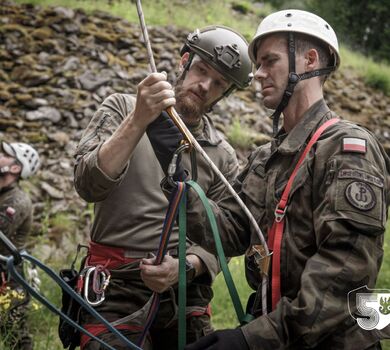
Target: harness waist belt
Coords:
[[113, 257]]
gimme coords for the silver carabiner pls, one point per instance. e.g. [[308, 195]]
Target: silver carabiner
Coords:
[[99, 297]]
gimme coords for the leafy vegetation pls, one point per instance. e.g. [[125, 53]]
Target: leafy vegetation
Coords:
[[239, 136], [376, 75], [241, 15], [362, 24]]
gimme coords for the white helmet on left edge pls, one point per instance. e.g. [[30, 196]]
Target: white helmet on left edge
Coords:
[[26, 155]]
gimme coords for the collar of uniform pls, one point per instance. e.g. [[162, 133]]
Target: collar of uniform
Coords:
[[206, 133], [299, 134], [8, 188]]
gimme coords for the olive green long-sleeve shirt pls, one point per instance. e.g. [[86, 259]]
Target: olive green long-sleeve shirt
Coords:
[[130, 210]]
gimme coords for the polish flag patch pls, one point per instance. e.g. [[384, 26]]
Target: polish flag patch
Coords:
[[354, 144], [10, 212]]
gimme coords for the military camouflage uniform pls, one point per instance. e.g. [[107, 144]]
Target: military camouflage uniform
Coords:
[[333, 236], [129, 214], [15, 223]]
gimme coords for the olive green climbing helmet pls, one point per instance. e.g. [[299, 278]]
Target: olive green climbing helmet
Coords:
[[225, 50]]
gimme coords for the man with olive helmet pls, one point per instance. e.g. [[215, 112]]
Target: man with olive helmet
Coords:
[[116, 168]]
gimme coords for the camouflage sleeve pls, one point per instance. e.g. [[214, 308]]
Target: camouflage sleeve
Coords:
[[232, 222], [216, 192], [229, 169], [349, 210], [90, 181], [16, 218]]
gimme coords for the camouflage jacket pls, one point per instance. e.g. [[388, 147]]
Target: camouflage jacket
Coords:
[[130, 210], [333, 237], [15, 216]]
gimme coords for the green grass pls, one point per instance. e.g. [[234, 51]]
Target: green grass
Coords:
[[43, 323], [239, 136], [185, 14], [223, 312], [375, 74]]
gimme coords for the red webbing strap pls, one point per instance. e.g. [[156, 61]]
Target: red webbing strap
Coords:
[[97, 329], [275, 234]]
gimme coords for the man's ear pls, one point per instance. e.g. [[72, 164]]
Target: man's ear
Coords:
[[15, 169], [312, 60], [183, 61]]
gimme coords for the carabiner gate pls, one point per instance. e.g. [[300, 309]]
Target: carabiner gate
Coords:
[[102, 279]]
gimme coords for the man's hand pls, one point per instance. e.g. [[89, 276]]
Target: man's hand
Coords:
[[221, 340], [160, 277], [154, 94]]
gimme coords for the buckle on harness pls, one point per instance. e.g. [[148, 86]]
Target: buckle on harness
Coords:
[[261, 259], [280, 213]]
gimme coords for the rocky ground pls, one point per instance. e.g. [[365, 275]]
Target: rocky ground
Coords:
[[57, 65]]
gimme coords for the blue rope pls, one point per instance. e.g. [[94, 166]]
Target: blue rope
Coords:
[[19, 278]]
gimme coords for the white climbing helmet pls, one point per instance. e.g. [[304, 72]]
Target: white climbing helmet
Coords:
[[25, 154], [299, 22]]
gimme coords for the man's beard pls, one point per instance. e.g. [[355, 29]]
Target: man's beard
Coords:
[[190, 111]]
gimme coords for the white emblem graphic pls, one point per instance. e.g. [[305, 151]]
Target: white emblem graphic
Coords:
[[372, 307]]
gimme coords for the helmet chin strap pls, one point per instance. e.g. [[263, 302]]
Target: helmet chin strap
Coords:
[[293, 79], [225, 94]]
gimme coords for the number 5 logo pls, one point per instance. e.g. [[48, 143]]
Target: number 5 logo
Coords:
[[370, 307]]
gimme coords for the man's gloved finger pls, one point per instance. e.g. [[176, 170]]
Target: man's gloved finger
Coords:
[[203, 343]]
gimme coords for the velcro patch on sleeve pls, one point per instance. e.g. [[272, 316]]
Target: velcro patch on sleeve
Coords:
[[360, 195], [354, 144]]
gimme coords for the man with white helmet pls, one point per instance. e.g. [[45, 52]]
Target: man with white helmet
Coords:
[[17, 160], [318, 191]]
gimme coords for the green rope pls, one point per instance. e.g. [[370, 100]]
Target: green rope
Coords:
[[182, 271]]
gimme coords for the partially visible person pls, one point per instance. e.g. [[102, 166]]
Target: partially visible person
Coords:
[[17, 161]]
